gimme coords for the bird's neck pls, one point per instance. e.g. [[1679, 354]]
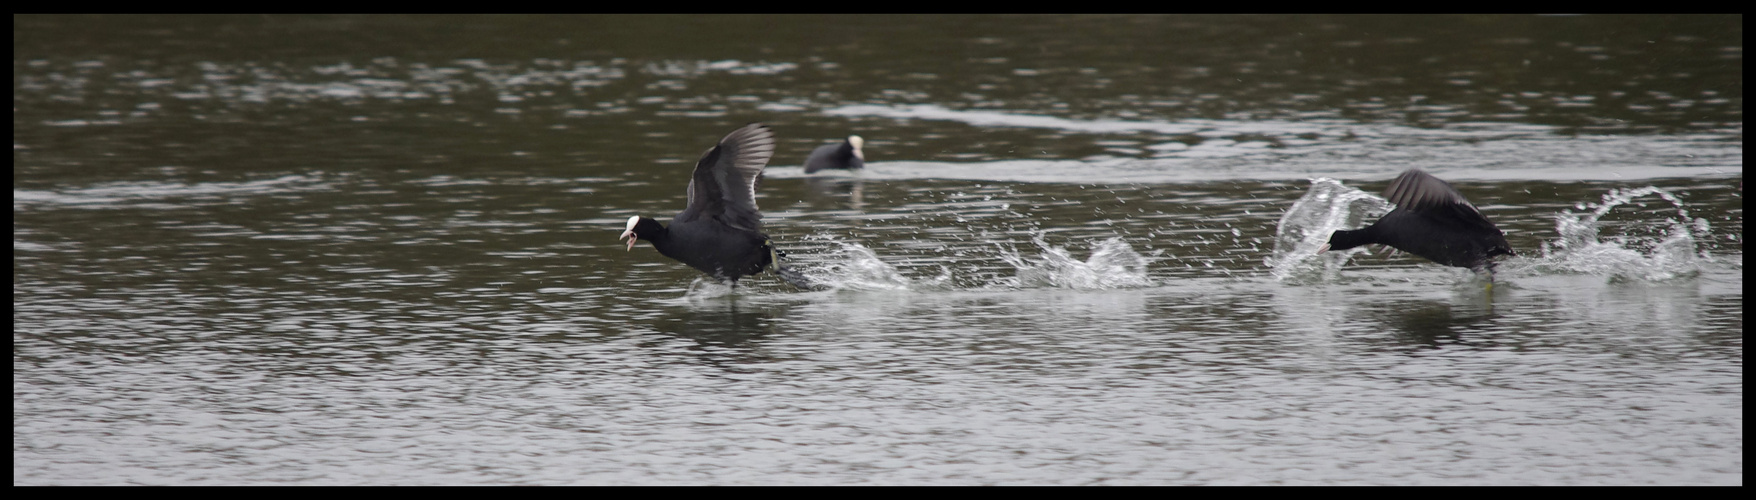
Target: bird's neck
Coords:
[[1343, 240]]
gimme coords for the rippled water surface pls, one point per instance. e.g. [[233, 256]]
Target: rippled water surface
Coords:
[[382, 250]]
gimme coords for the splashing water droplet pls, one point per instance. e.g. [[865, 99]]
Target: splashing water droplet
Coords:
[[1582, 249], [1328, 206], [1112, 264], [851, 266]]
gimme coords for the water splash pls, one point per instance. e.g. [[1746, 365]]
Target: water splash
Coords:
[[1113, 264], [1582, 249], [852, 266], [1329, 206], [704, 288]]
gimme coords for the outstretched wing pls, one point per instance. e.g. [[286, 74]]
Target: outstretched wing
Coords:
[[724, 184], [1417, 191]]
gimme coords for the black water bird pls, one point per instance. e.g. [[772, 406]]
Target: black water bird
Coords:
[[843, 155], [1432, 220], [720, 231]]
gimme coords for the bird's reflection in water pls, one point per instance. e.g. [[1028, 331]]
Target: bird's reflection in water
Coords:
[[726, 334], [1433, 323], [825, 190]]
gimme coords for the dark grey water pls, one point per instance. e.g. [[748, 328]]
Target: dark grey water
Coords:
[[382, 250]]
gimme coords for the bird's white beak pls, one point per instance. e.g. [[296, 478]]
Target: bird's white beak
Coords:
[[628, 234], [859, 145]]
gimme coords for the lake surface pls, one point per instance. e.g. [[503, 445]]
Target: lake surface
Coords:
[[325, 250]]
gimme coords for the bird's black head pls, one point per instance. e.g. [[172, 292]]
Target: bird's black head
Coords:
[[640, 228]]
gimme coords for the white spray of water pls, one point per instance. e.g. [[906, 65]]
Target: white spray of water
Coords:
[[852, 266], [704, 288], [1581, 249], [1329, 206], [1113, 264], [848, 266]]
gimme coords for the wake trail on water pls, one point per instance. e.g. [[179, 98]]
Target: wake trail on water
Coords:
[[851, 266]]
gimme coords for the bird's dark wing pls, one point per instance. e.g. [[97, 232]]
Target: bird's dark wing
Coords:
[[724, 184], [1417, 191]]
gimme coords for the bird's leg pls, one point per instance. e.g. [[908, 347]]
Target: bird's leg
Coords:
[[1487, 271]]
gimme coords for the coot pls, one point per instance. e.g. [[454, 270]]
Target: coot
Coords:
[[845, 155], [1434, 221], [720, 231]]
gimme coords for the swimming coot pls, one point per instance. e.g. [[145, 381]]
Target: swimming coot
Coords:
[[1434, 221], [720, 231], [845, 155]]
